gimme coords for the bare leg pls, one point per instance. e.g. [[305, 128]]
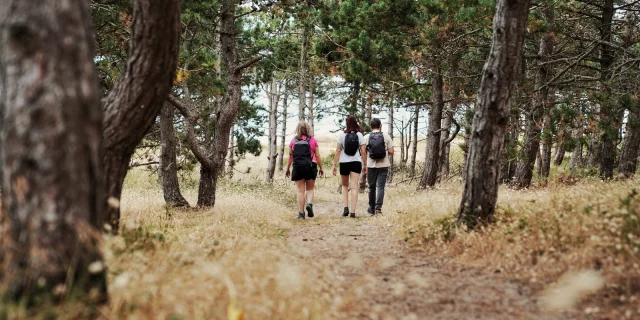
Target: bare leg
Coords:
[[355, 179], [309, 186], [300, 186], [345, 190]]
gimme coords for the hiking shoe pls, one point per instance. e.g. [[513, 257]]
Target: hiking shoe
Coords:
[[352, 215], [378, 212], [345, 212], [300, 215], [310, 210], [370, 211]]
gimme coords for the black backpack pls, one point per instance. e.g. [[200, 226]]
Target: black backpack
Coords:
[[302, 153], [351, 143], [376, 147]]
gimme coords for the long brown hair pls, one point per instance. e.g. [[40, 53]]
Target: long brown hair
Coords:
[[352, 125]]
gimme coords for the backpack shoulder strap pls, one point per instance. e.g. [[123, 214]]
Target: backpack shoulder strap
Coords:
[[307, 139]]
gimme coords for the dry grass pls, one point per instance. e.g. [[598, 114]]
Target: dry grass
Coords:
[[190, 264], [540, 235], [182, 264]]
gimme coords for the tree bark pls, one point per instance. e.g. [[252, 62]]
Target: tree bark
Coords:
[[524, 171], [137, 97], [560, 145], [431, 164], [53, 187], [283, 139], [414, 145], [608, 119], [545, 154], [390, 132], [168, 162], [492, 112], [312, 100], [631, 145], [274, 97], [445, 148], [226, 112]]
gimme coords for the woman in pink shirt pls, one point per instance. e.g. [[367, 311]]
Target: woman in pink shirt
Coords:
[[304, 155]]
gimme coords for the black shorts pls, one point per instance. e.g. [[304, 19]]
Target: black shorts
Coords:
[[304, 173], [347, 167]]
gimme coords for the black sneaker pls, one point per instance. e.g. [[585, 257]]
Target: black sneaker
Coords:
[[352, 215], [310, 210], [370, 211], [300, 215], [345, 212]]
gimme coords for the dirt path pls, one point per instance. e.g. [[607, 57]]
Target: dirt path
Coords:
[[369, 274]]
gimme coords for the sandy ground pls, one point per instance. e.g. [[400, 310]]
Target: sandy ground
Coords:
[[370, 274]]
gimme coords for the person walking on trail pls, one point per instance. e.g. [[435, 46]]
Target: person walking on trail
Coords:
[[304, 154], [350, 151], [379, 148]]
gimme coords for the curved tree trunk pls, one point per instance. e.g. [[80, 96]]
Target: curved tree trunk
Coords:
[[137, 97], [431, 164], [53, 201], [168, 162], [225, 112], [492, 113]]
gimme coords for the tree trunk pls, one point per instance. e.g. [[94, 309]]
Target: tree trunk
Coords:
[[593, 152], [206, 188], [312, 116], [545, 154], [390, 132], [504, 157], [608, 120], [403, 157], [226, 112], [576, 154], [283, 139], [445, 148], [524, 171], [168, 162], [431, 163], [302, 81], [560, 148], [492, 112], [231, 149], [363, 177], [53, 187], [414, 146], [274, 97], [631, 145], [137, 97]]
